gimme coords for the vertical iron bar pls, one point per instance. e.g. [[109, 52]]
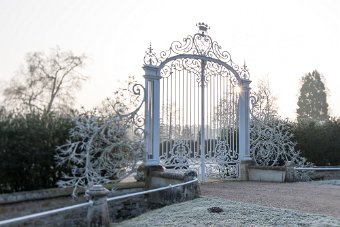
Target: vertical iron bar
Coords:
[[179, 105], [210, 115], [183, 111], [175, 105], [163, 125], [202, 120], [166, 103], [186, 109], [189, 110], [194, 102], [171, 114]]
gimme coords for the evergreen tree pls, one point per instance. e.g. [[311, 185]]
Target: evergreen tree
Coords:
[[312, 103]]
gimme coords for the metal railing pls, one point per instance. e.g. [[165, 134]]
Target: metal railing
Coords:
[[151, 190], [36, 215]]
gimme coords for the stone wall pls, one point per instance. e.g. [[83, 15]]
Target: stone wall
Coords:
[[160, 179], [24, 203], [325, 175], [130, 207]]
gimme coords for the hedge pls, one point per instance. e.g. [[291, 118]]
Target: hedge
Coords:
[[319, 142], [27, 149]]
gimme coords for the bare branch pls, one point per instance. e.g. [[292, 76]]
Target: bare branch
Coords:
[[45, 81]]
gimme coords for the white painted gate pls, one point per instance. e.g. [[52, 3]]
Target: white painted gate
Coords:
[[197, 108]]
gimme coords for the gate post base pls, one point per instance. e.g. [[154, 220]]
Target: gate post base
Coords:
[[148, 171], [244, 164]]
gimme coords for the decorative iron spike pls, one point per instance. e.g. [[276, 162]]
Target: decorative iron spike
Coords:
[[150, 48], [150, 57]]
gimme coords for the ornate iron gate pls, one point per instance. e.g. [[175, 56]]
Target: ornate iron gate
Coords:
[[198, 98]]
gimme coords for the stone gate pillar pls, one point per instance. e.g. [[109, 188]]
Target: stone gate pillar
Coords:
[[152, 118], [244, 135]]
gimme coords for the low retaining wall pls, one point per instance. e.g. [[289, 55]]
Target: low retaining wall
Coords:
[[174, 195], [267, 175], [325, 175], [24, 203], [271, 173], [120, 210], [290, 174]]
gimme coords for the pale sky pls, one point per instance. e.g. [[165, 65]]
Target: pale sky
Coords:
[[280, 40]]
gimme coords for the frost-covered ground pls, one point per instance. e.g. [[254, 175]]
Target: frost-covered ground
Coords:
[[235, 213], [195, 213]]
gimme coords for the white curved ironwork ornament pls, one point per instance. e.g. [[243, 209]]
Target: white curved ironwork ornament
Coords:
[[180, 155], [271, 142], [198, 44], [225, 158], [101, 149]]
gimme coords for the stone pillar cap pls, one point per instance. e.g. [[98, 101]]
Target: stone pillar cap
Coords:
[[97, 190]]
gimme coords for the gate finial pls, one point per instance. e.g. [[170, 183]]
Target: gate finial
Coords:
[[202, 27], [150, 57], [244, 64]]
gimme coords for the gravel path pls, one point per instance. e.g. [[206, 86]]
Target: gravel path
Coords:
[[252, 204]]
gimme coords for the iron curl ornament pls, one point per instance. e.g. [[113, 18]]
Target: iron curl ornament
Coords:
[[271, 142], [200, 44], [132, 97]]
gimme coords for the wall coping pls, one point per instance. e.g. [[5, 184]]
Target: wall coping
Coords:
[[51, 193], [168, 174], [36, 195], [279, 168]]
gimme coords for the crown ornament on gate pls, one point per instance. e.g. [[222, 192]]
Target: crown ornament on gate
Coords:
[[202, 27], [198, 44]]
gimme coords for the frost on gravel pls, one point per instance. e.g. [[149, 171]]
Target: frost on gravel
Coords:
[[196, 213]]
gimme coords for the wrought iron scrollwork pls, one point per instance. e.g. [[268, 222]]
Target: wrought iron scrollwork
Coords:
[[180, 155], [135, 95], [150, 57], [198, 44], [244, 72], [271, 142]]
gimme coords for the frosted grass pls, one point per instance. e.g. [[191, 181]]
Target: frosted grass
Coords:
[[195, 213]]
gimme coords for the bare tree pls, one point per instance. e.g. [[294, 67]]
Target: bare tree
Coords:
[[46, 83], [266, 107]]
